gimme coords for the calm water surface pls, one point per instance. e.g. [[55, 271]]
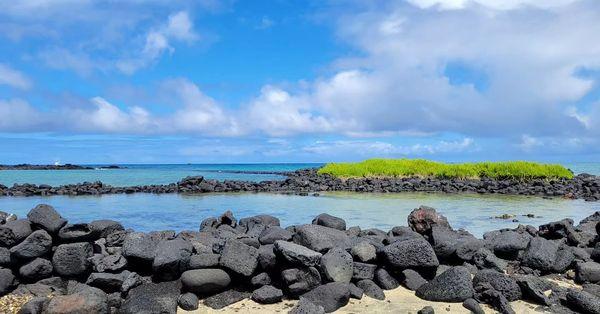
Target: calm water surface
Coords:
[[146, 212]]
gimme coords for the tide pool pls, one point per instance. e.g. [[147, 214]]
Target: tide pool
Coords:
[[147, 212]]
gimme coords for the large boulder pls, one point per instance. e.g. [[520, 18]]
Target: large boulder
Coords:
[[76, 233], [14, 231], [152, 298], [205, 281], [364, 252], [85, 300], [540, 254], [265, 220], [171, 258], [320, 238], [587, 272], [499, 281], [583, 302], [47, 218], [140, 248], [102, 228], [330, 296], [106, 281], [362, 271], [297, 254], [36, 244], [453, 285], [267, 295], [239, 257], [413, 253], [204, 260], [385, 280], [300, 280], [37, 269], [71, 260], [6, 280], [305, 306], [274, 233], [330, 221], [423, 218], [225, 298], [445, 241], [108, 263], [412, 279], [507, 243], [337, 265]]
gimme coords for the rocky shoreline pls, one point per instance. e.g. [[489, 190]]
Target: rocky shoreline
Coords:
[[52, 266], [44, 167], [303, 182]]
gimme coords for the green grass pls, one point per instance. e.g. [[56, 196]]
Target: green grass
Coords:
[[519, 170]]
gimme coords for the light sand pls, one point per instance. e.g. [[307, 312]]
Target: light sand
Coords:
[[399, 300]]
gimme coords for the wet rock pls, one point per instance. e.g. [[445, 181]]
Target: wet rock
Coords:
[[36, 269], [152, 298], [588, 272], [274, 233], [239, 257], [171, 258], [86, 300], [225, 298], [385, 280], [71, 259], [36, 244], [267, 295], [499, 281], [188, 301], [371, 289], [330, 221], [540, 254], [205, 281], [13, 232], [337, 265], [423, 218], [297, 254], [330, 296], [412, 279], [583, 302], [46, 217], [305, 306], [320, 238], [300, 280], [414, 253], [363, 271], [454, 285], [364, 252], [473, 306]]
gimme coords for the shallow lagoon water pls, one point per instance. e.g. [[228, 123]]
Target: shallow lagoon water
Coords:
[[146, 212]]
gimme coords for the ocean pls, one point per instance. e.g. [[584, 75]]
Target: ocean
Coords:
[[147, 212]]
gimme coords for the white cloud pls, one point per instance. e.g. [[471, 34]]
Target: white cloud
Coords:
[[384, 149], [13, 78], [17, 115], [493, 4]]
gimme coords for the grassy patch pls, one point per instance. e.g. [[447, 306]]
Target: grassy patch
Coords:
[[420, 167]]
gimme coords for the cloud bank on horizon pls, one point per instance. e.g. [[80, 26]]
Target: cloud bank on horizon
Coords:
[[400, 78]]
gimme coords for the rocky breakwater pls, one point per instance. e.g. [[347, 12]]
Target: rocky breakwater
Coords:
[[44, 167], [100, 267], [307, 181]]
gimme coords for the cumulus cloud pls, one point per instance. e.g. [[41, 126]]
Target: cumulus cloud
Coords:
[[380, 148], [13, 78], [18, 116]]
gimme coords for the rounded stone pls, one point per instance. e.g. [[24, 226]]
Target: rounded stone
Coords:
[[202, 281]]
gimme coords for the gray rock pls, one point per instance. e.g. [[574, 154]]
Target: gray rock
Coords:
[[540, 254], [76, 233], [106, 281], [205, 281], [225, 298], [305, 306], [266, 257], [274, 233], [267, 295], [414, 253], [171, 258], [84, 300], [423, 218], [426, 310], [533, 289], [203, 260], [385, 280], [499, 281], [297, 254], [300, 280], [592, 288], [35, 245], [583, 302], [330, 296], [320, 238], [140, 248], [109, 263], [261, 279], [239, 257], [152, 298], [371, 289], [484, 258], [265, 220], [588, 272], [34, 305], [487, 294], [337, 265], [71, 260], [5, 257], [188, 301], [363, 271], [454, 285], [6, 280], [13, 232], [364, 252], [473, 306], [46, 217], [36, 269], [355, 292], [507, 243], [327, 220], [412, 279], [102, 228]]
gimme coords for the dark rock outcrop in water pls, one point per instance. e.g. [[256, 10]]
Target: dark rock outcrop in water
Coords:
[[307, 181], [102, 268], [44, 167]]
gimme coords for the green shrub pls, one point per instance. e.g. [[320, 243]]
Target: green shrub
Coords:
[[426, 168]]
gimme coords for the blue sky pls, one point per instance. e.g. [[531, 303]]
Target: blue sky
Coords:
[[254, 81]]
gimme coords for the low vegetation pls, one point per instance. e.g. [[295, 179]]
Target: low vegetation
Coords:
[[520, 170]]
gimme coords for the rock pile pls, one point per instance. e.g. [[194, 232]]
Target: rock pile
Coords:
[[99, 267], [306, 181]]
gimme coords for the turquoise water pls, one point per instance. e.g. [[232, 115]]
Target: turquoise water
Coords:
[[147, 212], [148, 174]]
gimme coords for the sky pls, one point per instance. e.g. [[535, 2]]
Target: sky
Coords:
[[211, 81]]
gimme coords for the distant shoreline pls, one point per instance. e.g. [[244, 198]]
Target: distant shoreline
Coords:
[[54, 167]]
